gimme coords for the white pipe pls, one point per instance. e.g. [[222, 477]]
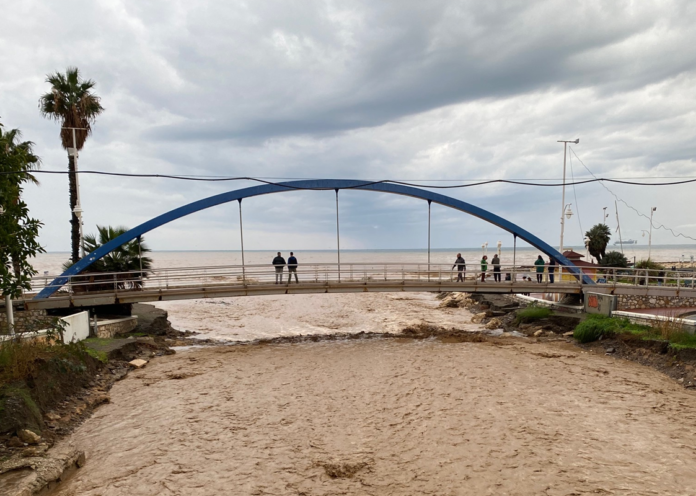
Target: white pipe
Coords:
[[9, 310]]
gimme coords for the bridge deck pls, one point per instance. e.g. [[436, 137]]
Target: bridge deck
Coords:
[[62, 300], [225, 290]]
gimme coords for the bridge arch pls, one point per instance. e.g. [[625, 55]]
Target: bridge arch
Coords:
[[311, 184]]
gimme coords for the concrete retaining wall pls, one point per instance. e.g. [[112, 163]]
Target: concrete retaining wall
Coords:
[[110, 328], [25, 321], [632, 302], [76, 327], [549, 304]]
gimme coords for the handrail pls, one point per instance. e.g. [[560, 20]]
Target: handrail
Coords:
[[364, 272]]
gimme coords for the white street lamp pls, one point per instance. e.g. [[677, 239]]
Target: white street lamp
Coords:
[[565, 150], [500, 246], [78, 213], [652, 211]]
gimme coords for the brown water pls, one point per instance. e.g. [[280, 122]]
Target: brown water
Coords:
[[390, 417]]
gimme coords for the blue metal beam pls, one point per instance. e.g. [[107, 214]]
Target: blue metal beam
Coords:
[[313, 184]]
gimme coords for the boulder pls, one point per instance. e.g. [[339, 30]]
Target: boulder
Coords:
[[138, 363], [568, 334], [494, 324], [477, 318], [538, 333], [29, 437]]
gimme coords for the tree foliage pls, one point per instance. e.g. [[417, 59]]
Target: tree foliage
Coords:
[[126, 258], [72, 103], [18, 231], [599, 237], [614, 259]]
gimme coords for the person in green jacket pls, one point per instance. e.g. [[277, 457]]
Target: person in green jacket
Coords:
[[540, 268], [484, 267]]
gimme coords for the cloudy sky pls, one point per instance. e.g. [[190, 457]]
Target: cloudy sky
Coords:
[[433, 92]]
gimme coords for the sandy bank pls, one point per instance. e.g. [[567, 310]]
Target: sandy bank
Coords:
[[391, 416]]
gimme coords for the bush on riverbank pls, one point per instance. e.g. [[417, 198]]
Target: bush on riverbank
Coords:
[[532, 313], [35, 375], [597, 326], [600, 326]]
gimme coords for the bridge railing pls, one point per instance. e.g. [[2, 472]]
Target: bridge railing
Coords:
[[366, 273]]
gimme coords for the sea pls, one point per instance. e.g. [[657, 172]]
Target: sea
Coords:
[[49, 264]]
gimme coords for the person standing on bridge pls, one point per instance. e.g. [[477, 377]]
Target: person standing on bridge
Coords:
[[552, 268], [496, 268], [460, 263], [484, 267], [540, 268], [292, 268], [279, 263]]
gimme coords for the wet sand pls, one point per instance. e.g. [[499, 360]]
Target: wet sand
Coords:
[[391, 417]]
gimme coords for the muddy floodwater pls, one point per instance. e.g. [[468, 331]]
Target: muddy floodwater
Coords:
[[391, 417]]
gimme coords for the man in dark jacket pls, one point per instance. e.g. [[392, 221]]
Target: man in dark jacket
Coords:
[[460, 263], [552, 268], [292, 268], [279, 263]]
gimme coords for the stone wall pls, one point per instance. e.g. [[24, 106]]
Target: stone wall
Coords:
[[110, 328], [633, 302], [25, 321]]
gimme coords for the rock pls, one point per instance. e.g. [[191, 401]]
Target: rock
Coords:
[[35, 451], [52, 416], [611, 350], [138, 363], [538, 333], [568, 334], [476, 319], [28, 436], [680, 380], [493, 324], [15, 442]]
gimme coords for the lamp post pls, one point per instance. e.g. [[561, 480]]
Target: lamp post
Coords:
[[652, 211], [566, 214], [604, 217], [500, 246], [565, 153], [72, 152], [78, 213]]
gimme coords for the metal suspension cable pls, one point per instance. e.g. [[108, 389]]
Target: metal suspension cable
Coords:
[[575, 195], [404, 183], [661, 226]]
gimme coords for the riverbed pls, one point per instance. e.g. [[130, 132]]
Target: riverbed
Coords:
[[391, 416]]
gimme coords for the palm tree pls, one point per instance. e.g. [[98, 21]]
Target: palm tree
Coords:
[[72, 102], [126, 258], [16, 156], [598, 237]]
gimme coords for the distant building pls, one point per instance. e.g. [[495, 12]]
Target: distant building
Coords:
[[587, 268]]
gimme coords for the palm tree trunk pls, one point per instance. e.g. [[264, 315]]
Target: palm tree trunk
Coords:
[[74, 221]]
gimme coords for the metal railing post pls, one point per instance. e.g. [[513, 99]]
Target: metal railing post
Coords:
[[338, 239], [429, 202], [241, 238]]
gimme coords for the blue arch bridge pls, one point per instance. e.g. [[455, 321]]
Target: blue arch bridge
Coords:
[[76, 287]]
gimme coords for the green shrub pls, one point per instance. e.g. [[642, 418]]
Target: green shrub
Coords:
[[596, 326], [532, 313]]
